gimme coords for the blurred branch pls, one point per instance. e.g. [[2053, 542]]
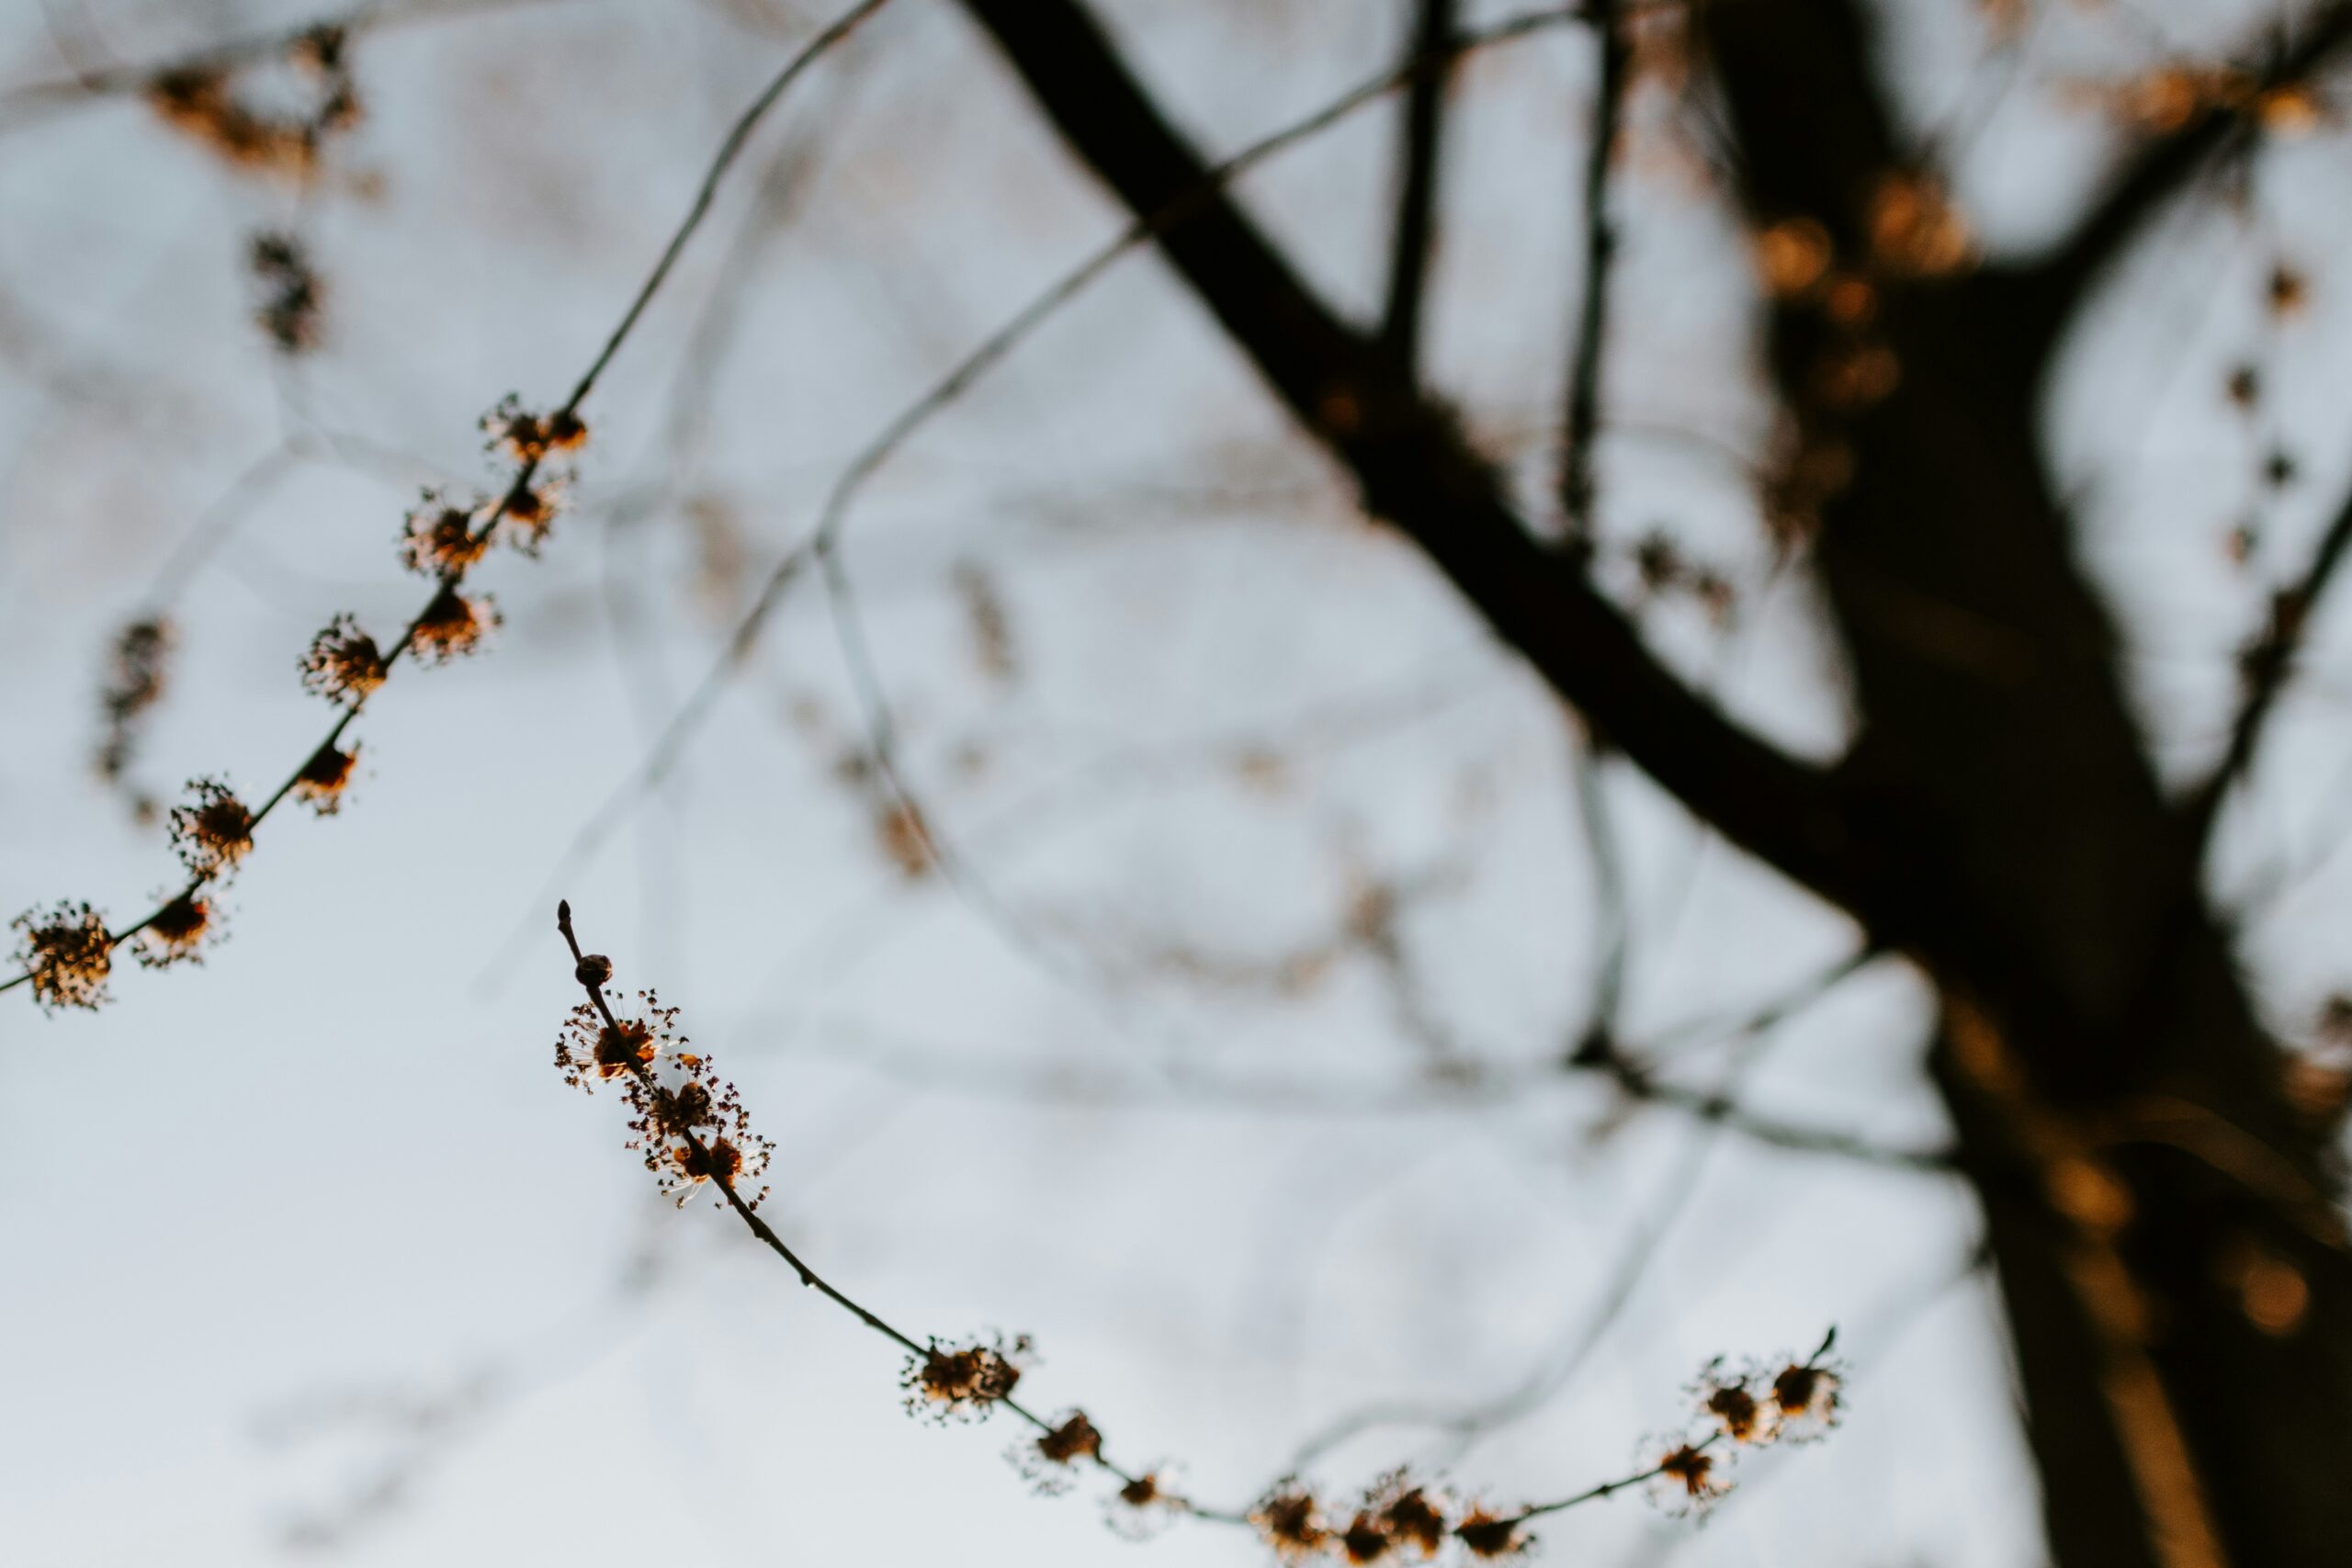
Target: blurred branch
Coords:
[[2163, 166], [1600, 246], [822, 548], [1429, 58], [2268, 665], [1414, 467]]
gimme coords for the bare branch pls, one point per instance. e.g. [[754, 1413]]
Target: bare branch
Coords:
[[1408, 252], [1599, 244], [2164, 166], [2268, 665]]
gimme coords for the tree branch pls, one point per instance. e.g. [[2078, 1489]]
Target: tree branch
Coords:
[[1600, 246], [2163, 166], [1414, 468], [1408, 263], [2268, 665]]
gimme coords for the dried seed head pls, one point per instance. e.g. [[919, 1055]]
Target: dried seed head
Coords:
[[1290, 1520], [452, 626], [1144, 1506], [344, 664], [326, 776], [1807, 1400], [1367, 1538], [1488, 1534], [964, 1381], [179, 932], [1688, 1477], [1414, 1519], [1729, 1403], [1049, 1462], [439, 539], [68, 954], [134, 683], [525, 512], [292, 295], [212, 832]]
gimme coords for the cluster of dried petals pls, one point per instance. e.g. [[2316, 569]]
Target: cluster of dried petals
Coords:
[[1485, 1532], [214, 831], [439, 539], [67, 952], [951, 1382], [1144, 1506], [1808, 1398], [451, 627], [527, 512], [322, 781], [693, 1131], [201, 102], [1413, 1516], [343, 663], [1049, 1462], [1783, 1401], [134, 684], [179, 932], [292, 294], [1290, 1519], [589, 1050], [688, 1125], [520, 436], [1687, 1477]]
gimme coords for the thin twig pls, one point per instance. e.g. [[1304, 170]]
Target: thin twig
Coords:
[[1428, 57], [591, 975], [1599, 244]]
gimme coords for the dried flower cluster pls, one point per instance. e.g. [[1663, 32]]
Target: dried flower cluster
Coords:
[[534, 443], [688, 1124], [292, 295], [135, 679], [1144, 1506], [344, 664], [322, 781], [965, 1381], [1398, 1518], [213, 832], [1049, 1462], [68, 954], [437, 538], [202, 102], [451, 627], [177, 932]]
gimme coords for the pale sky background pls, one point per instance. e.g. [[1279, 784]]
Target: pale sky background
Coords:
[[309, 1250]]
